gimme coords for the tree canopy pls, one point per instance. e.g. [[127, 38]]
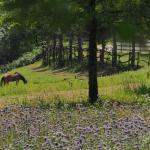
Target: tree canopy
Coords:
[[26, 23]]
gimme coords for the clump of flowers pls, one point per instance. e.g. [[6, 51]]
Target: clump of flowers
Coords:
[[83, 127]]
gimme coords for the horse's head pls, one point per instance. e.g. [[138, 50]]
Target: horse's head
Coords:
[[25, 81], [21, 77]]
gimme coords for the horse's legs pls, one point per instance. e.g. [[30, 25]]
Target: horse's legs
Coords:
[[2, 83], [5, 82], [17, 81]]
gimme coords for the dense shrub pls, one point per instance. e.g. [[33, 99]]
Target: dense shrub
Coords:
[[25, 59]]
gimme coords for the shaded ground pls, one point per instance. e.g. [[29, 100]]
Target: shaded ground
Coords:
[[81, 70]]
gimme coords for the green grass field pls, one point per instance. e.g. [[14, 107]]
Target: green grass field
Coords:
[[51, 111], [43, 84]]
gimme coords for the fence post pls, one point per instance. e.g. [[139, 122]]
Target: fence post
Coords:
[[129, 62], [74, 50], [149, 59], [138, 59], [121, 47], [119, 60]]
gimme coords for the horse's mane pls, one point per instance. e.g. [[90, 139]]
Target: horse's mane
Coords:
[[22, 77]]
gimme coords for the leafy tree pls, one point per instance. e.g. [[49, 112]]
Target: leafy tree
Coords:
[[49, 21]]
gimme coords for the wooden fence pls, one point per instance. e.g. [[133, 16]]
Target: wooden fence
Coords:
[[139, 47], [139, 58], [123, 50]]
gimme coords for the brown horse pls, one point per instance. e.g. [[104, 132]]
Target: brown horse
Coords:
[[11, 78]]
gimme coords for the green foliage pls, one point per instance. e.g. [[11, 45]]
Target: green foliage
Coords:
[[14, 41], [121, 19], [25, 59], [143, 89]]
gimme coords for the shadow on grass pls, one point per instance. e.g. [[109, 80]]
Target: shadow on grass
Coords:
[[82, 69], [40, 69]]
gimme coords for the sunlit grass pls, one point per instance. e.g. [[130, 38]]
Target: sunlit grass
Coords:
[[50, 85]]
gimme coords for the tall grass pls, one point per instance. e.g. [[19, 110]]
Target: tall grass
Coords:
[[123, 87]]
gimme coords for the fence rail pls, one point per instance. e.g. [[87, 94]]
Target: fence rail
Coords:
[[140, 47]]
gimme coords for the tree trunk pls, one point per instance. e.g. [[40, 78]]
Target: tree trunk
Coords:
[[50, 55], [102, 53], [93, 85], [80, 50], [70, 47], [114, 52], [133, 55], [54, 48], [60, 55], [44, 56]]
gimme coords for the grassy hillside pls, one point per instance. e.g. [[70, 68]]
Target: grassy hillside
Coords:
[[43, 84]]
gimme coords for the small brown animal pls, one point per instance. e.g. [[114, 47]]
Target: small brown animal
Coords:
[[11, 78]]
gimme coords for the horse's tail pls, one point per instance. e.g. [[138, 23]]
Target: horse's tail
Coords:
[[2, 81], [22, 77]]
